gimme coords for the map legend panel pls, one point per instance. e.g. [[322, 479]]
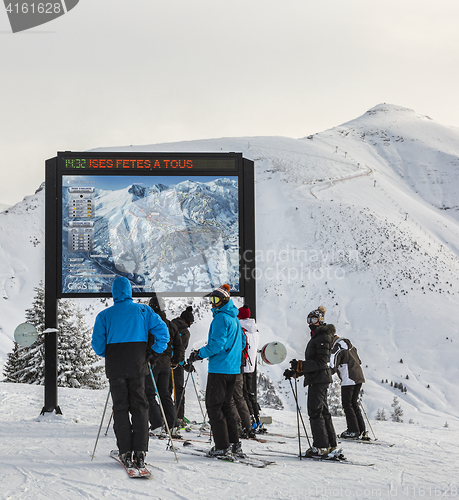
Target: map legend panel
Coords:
[[80, 236], [81, 203]]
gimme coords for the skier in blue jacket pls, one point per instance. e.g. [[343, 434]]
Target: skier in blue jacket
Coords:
[[121, 335], [224, 349]]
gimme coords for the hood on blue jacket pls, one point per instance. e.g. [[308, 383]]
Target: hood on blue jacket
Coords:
[[121, 289]]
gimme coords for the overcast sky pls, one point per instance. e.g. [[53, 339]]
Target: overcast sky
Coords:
[[118, 72]]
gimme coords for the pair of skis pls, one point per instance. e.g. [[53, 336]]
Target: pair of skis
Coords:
[[332, 457], [264, 439], [343, 440], [367, 441], [189, 449], [133, 472]]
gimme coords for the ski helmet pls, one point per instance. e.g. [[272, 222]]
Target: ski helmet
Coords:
[[220, 296], [318, 313]]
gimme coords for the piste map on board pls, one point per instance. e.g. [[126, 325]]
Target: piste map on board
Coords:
[[165, 233]]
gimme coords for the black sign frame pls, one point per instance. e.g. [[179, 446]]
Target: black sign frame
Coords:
[[219, 164]]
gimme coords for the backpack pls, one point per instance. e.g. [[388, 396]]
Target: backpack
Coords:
[[245, 351]]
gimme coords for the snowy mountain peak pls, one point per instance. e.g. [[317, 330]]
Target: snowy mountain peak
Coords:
[[393, 109], [390, 115]]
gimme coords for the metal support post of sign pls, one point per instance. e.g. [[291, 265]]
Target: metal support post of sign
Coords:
[[50, 339]]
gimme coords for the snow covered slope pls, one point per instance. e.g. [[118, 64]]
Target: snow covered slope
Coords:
[[49, 457], [362, 219], [22, 246]]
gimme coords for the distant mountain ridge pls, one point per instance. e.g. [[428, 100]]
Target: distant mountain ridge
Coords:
[[361, 218]]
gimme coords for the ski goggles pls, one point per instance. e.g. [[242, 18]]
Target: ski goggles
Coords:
[[215, 300], [313, 320]]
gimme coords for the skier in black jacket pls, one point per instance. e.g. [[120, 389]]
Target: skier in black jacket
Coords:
[[317, 375], [174, 353], [183, 324]]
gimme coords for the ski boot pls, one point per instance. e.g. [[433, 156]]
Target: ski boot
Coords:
[[236, 450], [139, 459], [349, 435], [315, 452], [126, 459], [220, 453]]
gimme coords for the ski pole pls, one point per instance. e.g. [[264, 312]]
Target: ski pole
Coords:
[[171, 443], [299, 412], [197, 395], [368, 420], [181, 399], [100, 426], [203, 428], [173, 386], [298, 417], [109, 422], [204, 415]]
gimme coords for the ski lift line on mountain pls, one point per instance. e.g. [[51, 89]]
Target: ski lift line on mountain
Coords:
[[292, 151], [331, 182]]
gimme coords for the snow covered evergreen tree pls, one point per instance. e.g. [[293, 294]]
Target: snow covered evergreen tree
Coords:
[[381, 414], [9, 370], [334, 398], [26, 364], [266, 393], [397, 414], [75, 356]]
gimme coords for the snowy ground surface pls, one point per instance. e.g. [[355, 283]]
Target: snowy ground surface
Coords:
[[50, 457]]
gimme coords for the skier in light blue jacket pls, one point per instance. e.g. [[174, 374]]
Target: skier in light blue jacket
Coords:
[[224, 347]]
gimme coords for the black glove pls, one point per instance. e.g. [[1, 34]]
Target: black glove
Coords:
[[152, 357], [188, 367], [296, 366], [194, 356], [288, 374]]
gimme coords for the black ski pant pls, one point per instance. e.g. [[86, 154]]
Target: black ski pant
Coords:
[[130, 413], [162, 374], [323, 432], [250, 394], [219, 393], [179, 382], [239, 404], [351, 406]]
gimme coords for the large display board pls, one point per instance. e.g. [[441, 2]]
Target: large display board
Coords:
[[177, 224]]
